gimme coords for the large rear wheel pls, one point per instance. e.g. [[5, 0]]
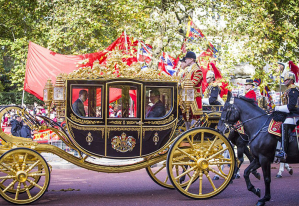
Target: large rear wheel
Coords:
[[202, 154], [24, 176]]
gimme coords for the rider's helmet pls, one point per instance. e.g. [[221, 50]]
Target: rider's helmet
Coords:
[[210, 74], [289, 75]]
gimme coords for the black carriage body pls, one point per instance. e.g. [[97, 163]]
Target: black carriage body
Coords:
[[129, 133]]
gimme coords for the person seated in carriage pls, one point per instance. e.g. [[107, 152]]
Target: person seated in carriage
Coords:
[[78, 105], [290, 103], [158, 108], [250, 93], [212, 92]]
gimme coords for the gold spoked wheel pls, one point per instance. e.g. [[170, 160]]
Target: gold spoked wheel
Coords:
[[13, 188], [202, 153], [24, 176], [158, 173]]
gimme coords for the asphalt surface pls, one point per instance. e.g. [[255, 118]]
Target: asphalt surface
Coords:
[[136, 188]]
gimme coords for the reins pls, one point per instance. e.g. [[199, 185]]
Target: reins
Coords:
[[236, 127]]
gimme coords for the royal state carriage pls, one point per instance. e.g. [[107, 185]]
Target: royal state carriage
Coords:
[[185, 161]]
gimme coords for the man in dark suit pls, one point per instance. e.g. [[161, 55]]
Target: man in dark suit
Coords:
[[158, 109], [78, 105], [16, 126]]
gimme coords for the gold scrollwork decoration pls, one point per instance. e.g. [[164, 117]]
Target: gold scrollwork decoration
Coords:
[[165, 121], [107, 71], [109, 129], [84, 121], [71, 126], [115, 122], [145, 129], [131, 122]]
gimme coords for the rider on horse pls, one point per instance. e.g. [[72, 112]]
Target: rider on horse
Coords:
[[212, 92], [290, 103], [249, 89]]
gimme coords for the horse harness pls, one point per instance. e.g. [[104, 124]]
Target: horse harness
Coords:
[[239, 125]]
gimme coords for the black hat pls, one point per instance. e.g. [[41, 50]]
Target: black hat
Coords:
[[249, 81], [183, 59], [191, 55]]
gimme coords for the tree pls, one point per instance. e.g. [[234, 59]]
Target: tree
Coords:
[[262, 31]]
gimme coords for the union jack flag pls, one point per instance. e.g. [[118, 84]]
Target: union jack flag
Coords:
[[167, 64], [145, 53]]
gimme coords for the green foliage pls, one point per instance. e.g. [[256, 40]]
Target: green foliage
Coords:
[[261, 31], [8, 98]]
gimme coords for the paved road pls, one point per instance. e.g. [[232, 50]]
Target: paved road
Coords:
[[136, 188]]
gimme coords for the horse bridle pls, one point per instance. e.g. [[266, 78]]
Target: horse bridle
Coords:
[[235, 127]]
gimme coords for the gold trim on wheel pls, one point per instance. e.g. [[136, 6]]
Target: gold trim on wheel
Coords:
[[201, 154], [24, 176], [158, 174]]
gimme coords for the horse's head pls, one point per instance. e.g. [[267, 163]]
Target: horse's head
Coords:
[[230, 114]]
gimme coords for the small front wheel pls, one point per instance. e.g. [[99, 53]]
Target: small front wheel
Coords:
[[24, 176], [202, 154]]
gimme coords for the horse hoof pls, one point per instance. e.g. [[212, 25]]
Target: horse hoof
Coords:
[[237, 176], [258, 176], [260, 203], [291, 171], [258, 192], [278, 176]]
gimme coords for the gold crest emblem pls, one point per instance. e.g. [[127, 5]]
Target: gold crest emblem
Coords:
[[89, 138], [156, 138], [123, 143]]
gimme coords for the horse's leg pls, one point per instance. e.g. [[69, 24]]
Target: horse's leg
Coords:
[[240, 154], [265, 163], [253, 166], [250, 157]]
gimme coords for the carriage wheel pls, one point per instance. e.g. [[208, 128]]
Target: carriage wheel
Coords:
[[159, 175], [201, 151], [13, 188], [24, 176]]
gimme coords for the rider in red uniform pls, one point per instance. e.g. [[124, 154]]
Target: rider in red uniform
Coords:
[[249, 89]]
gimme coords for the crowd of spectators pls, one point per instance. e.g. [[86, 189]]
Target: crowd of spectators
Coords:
[[19, 128]]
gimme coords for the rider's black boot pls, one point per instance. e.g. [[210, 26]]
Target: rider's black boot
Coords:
[[282, 154]]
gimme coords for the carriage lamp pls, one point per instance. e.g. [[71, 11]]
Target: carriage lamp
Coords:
[[188, 97], [59, 96], [48, 94]]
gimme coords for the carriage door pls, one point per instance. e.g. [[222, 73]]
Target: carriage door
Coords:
[[123, 119]]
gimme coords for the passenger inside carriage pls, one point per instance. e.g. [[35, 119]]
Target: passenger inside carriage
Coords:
[[158, 108], [78, 105]]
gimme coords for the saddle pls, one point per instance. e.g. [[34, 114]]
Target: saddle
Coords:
[[276, 122], [275, 127]]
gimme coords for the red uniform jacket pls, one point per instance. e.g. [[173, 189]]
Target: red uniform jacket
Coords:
[[251, 94], [196, 78]]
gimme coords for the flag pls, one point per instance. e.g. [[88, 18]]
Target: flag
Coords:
[[257, 82], [145, 53], [194, 33], [267, 93], [167, 64]]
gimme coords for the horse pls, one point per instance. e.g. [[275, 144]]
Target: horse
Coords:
[[241, 141], [262, 144]]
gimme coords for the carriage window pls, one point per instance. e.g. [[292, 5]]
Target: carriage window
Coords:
[[122, 101], [157, 102], [86, 101]]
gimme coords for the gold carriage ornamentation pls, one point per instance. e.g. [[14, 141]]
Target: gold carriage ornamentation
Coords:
[[123, 143], [117, 121], [89, 138]]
